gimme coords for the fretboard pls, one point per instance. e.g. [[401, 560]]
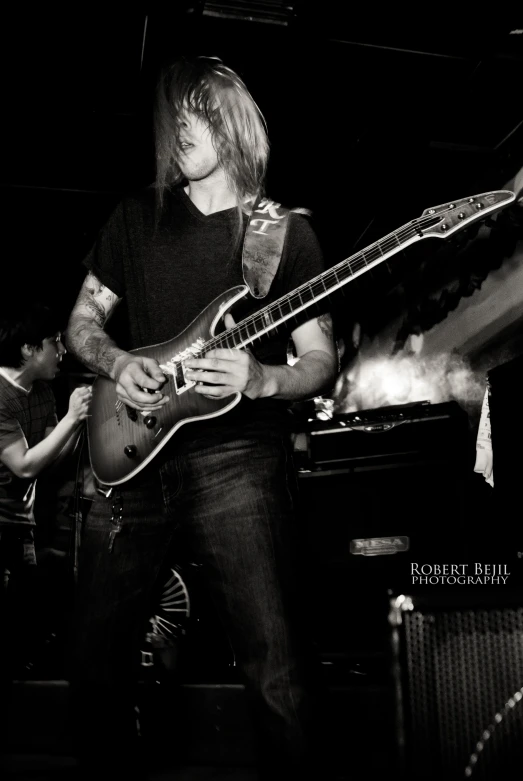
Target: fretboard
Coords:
[[290, 305]]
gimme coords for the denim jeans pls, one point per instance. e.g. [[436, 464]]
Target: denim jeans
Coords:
[[235, 504]]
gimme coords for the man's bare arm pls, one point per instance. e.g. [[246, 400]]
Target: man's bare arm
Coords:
[[85, 335], [136, 377]]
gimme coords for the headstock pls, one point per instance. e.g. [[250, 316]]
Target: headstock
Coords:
[[440, 221]]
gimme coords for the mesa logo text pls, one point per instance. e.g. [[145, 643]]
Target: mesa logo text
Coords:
[[463, 574]]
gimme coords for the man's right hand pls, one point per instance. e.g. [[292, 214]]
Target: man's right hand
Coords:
[[133, 374], [79, 403]]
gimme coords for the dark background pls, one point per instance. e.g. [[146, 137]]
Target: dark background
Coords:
[[371, 118]]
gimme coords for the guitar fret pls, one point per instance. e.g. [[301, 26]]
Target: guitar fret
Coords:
[[343, 274], [286, 308], [317, 290], [303, 297], [244, 332], [274, 316], [310, 293], [257, 323], [260, 321]]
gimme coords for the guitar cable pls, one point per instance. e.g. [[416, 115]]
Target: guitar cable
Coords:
[[511, 704], [77, 515]]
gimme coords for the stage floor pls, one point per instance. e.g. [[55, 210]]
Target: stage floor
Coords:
[[217, 740]]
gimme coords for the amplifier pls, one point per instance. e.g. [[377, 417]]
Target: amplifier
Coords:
[[379, 490], [458, 661], [400, 434]]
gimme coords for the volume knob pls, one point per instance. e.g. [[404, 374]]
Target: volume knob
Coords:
[[150, 421], [130, 451]]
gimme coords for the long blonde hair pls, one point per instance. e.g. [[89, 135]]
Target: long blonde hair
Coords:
[[218, 96]]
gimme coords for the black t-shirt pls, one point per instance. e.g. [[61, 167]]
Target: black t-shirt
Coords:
[[167, 273], [26, 414]]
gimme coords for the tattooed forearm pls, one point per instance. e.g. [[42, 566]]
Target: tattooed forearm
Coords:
[[85, 336], [325, 323], [91, 345], [100, 351], [97, 300], [98, 312]]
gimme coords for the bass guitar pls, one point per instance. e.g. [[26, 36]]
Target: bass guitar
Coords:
[[122, 441]]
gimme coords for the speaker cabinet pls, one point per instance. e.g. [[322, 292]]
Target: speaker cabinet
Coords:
[[364, 530], [459, 685]]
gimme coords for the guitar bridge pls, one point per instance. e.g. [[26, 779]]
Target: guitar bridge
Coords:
[[176, 366]]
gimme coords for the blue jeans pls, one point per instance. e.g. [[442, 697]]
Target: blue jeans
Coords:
[[234, 503]]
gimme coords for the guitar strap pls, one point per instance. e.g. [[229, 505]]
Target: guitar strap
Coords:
[[263, 243]]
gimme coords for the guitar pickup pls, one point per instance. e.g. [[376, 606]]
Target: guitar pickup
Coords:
[[181, 382], [177, 372], [176, 367]]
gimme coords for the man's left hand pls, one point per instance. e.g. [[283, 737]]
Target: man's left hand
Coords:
[[226, 371]]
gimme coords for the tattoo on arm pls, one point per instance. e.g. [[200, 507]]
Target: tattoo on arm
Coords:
[[86, 339], [325, 323], [99, 352], [97, 299]]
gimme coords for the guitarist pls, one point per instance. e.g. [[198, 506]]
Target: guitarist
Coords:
[[225, 482]]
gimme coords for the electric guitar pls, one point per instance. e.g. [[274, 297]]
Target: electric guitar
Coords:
[[122, 440]]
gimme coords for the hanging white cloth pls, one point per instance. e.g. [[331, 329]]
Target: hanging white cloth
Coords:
[[484, 454]]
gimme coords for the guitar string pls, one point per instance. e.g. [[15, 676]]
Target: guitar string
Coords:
[[262, 315], [341, 271], [316, 287]]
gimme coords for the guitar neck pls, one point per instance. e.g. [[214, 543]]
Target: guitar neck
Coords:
[[288, 306]]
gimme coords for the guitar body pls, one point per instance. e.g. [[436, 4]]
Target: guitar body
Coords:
[[120, 441]]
